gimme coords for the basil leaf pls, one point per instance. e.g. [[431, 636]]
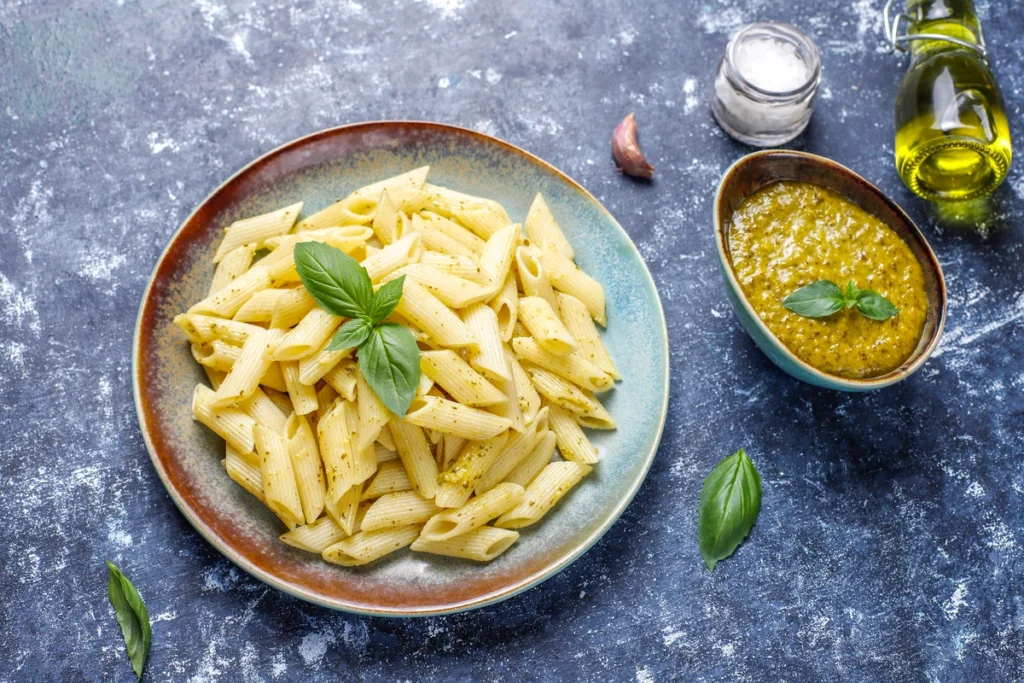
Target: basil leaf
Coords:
[[390, 361], [875, 306], [351, 334], [132, 617], [336, 280], [386, 299], [850, 295], [816, 300], [729, 503]]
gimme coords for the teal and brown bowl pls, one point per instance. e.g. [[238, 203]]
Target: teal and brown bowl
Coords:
[[319, 169], [754, 171]]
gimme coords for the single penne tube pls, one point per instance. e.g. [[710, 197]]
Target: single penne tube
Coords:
[[576, 318], [559, 391], [455, 419], [475, 513], [234, 264], [572, 442], [342, 377], [446, 202], [437, 241], [529, 399], [279, 397], [309, 480], [530, 466], [221, 356], [506, 307], [489, 358], [572, 367], [226, 301], [458, 481], [542, 228], [273, 378], [450, 290], [414, 452], [485, 220], [532, 275], [425, 384], [384, 439], [291, 308], [303, 396], [279, 487], [514, 451], [390, 478], [200, 329], [383, 454], [256, 230], [244, 473], [215, 377], [567, 277], [314, 537], [596, 417], [300, 435], [265, 412], [544, 325], [437, 223], [499, 252], [335, 442], [260, 306], [425, 311], [312, 368], [399, 509], [230, 424], [344, 507], [385, 219], [392, 257], [448, 450], [250, 366], [511, 408], [482, 544], [305, 338], [544, 491], [455, 376], [366, 546], [372, 415], [359, 207], [349, 239], [466, 267]]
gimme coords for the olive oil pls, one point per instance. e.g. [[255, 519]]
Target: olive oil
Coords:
[[952, 136]]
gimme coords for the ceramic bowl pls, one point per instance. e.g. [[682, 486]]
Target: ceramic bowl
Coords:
[[756, 170], [319, 169]]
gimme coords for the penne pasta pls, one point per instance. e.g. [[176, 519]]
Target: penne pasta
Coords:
[[572, 442], [544, 325], [367, 546], [548, 488], [234, 264], [473, 514], [515, 450], [390, 478], [455, 419], [572, 367], [314, 537], [499, 253], [530, 466], [532, 275], [466, 267], [458, 481], [542, 229], [506, 307], [342, 377], [482, 544], [489, 356], [303, 396], [200, 329], [529, 399], [426, 312], [244, 473], [414, 451], [256, 230], [576, 317], [450, 290], [315, 328], [392, 257], [248, 369], [230, 424], [279, 488], [567, 277], [291, 308], [462, 382], [312, 368], [399, 509], [559, 391], [260, 306]]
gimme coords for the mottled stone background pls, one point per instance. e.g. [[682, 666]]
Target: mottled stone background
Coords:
[[889, 546]]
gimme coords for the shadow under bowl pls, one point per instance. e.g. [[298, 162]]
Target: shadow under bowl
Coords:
[[757, 170]]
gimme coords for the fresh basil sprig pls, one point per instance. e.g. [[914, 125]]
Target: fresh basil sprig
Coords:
[[729, 503], [387, 353], [824, 297], [132, 617]]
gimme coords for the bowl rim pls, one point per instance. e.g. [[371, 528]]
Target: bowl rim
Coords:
[[299, 591], [920, 355]]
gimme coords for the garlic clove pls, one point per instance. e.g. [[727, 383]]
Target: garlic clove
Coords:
[[627, 152]]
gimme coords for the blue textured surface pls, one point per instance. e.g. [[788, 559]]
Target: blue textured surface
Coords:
[[889, 545]]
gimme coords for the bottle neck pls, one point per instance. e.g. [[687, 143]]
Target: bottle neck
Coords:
[[953, 18]]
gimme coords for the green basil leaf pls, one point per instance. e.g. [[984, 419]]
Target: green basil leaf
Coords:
[[351, 334], [816, 300], [875, 306], [729, 503], [390, 361], [336, 280], [851, 294], [132, 617], [386, 299]]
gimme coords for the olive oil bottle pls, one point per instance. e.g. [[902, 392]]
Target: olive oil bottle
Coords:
[[952, 137]]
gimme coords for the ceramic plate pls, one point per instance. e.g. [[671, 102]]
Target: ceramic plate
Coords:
[[319, 169]]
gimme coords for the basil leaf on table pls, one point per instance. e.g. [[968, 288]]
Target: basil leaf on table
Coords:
[[386, 299], [353, 333], [729, 503], [816, 300], [390, 361], [336, 280], [875, 306], [132, 617]]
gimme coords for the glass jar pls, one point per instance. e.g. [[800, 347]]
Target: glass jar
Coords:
[[766, 83]]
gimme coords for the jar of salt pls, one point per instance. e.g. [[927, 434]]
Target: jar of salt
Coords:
[[766, 83]]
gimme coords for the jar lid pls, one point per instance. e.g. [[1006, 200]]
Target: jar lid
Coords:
[[773, 60]]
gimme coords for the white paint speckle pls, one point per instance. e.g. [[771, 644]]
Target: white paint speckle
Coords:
[[644, 675], [443, 82], [492, 76], [448, 9], [314, 646], [951, 608], [690, 101]]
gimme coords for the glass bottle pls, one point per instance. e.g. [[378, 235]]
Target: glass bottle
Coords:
[[952, 137]]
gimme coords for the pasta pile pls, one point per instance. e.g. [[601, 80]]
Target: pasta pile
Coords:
[[511, 360]]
